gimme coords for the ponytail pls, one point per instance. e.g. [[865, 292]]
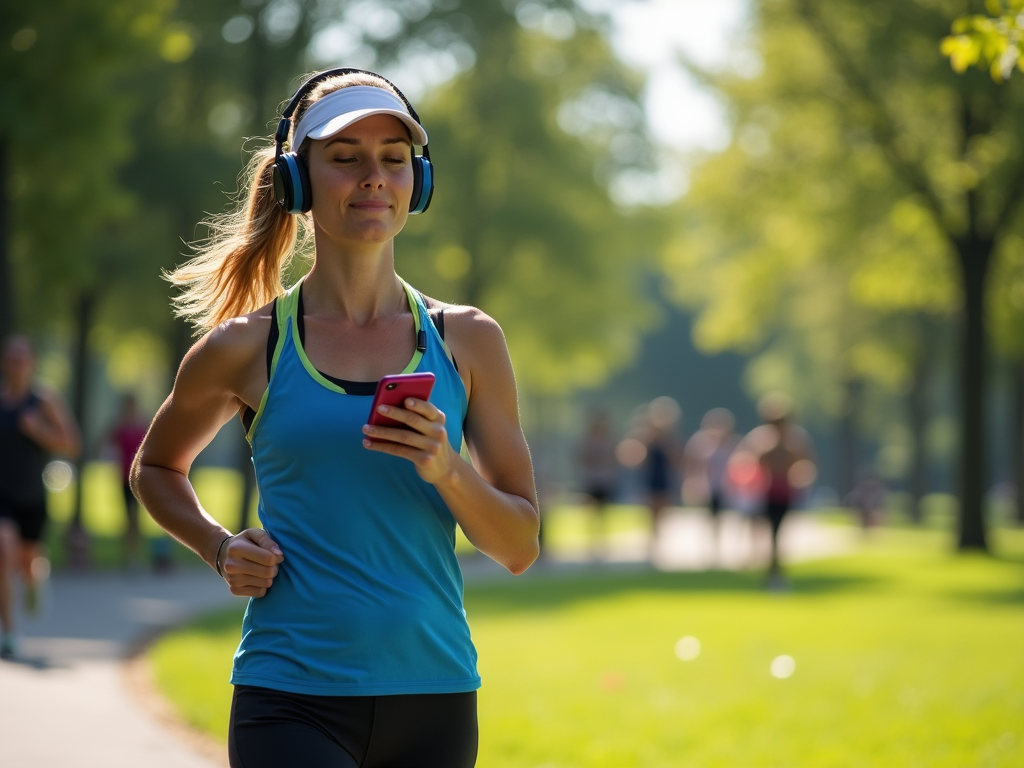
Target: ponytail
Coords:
[[238, 268]]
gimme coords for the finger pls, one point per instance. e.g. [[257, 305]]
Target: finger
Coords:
[[262, 539], [242, 581], [240, 567], [425, 408], [395, 449], [415, 422], [403, 436]]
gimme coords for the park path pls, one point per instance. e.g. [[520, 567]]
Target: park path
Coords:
[[73, 701]]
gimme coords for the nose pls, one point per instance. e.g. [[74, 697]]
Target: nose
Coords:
[[374, 178]]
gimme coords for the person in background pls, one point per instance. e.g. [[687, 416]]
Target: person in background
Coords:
[[600, 470], [705, 466], [661, 461], [785, 456], [126, 436], [868, 498], [34, 423]]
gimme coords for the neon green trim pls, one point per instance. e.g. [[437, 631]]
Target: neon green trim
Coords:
[[280, 318], [444, 344], [293, 315]]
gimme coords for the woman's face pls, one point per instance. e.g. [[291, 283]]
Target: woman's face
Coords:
[[361, 180]]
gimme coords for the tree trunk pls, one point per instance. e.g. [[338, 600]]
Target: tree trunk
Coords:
[[6, 293], [974, 253], [1017, 436], [78, 540], [849, 440], [917, 416]]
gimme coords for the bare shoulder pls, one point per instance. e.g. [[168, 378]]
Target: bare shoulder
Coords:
[[468, 326], [231, 348]]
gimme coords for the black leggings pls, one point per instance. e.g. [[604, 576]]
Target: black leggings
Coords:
[[275, 729]]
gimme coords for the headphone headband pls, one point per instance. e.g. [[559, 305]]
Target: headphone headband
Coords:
[[283, 128], [291, 182]]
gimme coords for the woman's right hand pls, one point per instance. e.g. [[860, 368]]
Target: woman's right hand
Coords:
[[249, 562]]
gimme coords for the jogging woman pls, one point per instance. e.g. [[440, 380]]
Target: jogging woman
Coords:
[[34, 425], [355, 649]]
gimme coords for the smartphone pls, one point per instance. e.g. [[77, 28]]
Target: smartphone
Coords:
[[393, 390]]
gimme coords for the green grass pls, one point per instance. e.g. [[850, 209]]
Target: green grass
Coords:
[[906, 655]]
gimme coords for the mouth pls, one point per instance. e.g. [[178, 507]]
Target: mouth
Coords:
[[371, 205]]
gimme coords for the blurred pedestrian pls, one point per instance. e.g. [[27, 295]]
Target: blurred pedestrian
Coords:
[[785, 457], [600, 470], [661, 462], [126, 436], [34, 423], [868, 498], [355, 649], [705, 467]]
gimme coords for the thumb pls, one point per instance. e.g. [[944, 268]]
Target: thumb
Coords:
[[262, 539]]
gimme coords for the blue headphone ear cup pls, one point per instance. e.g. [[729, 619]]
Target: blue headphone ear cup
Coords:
[[291, 184], [422, 184]]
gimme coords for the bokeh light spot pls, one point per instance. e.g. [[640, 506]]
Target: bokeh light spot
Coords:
[[237, 29], [24, 39], [783, 667], [631, 452], [57, 475], [177, 45], [688, 648], [612, 681]]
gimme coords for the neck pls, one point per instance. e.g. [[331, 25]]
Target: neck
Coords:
[[358, 283]]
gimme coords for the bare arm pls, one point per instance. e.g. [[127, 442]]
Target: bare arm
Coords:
[[218, 375], [494, 500], [52, 426]]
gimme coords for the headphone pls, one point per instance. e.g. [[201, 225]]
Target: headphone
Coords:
[[291, 177]]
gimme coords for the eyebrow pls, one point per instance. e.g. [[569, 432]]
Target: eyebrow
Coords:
[[356, 142]]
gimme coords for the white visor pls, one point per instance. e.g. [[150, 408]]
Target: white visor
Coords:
[[339, 109]]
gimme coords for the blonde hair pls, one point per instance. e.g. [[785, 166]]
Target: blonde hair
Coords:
[[239, 267]]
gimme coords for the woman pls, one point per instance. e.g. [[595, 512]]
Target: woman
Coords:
[[355, 648], [34, 424]]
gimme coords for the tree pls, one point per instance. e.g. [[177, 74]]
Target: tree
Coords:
[[62, 137], [921, 156], [522, 223], [993, 41]]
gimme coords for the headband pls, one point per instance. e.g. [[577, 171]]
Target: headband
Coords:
[[339, 109]]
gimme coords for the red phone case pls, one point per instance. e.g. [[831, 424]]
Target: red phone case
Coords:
[[393, 390]]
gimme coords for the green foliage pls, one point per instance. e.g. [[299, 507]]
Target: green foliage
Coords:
[[525, 144], [993, 42], [832, 221], [904, 656], [64, 132], [526, 141]]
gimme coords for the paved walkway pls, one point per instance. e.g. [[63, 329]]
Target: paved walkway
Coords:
[[71, 700]]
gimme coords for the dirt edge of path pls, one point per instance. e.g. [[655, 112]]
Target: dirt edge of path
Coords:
[[138, 679]]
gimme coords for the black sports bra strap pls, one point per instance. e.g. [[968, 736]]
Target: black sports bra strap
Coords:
[[437, 318], [275, 333], [249, 414]]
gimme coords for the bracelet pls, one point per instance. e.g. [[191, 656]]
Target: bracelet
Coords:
[[216, 561]]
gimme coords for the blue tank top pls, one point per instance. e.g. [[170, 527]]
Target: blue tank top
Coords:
[[368, 600]]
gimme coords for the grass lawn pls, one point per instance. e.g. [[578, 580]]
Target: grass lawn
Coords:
[[905, 655]]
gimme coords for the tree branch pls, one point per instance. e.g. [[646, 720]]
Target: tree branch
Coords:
[[882, 126], [1014, 196]]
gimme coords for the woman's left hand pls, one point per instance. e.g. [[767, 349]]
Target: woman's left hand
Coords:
[[425, 443]]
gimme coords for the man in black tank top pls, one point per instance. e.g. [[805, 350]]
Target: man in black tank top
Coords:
[[34, 423]]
